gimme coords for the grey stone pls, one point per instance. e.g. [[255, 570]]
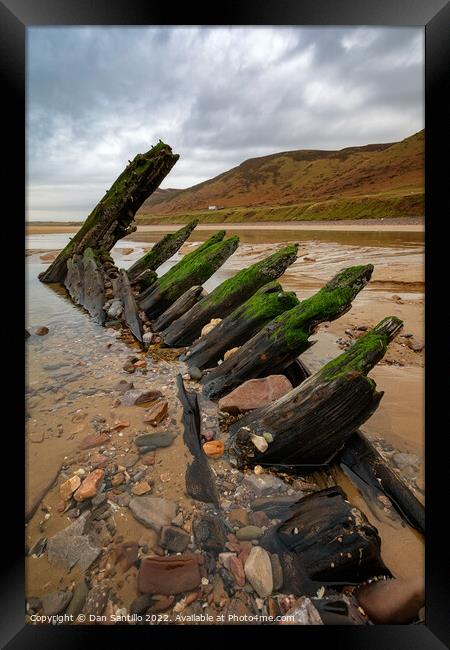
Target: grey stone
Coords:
[[78, 599], [258, 570], [148, 337], [135, 397], [115, 309], [264, 484], [403, 460], [151, 441], [195, 373], [55, 602], [71, 546], [277, 572], [248, 533], [173, 539], [153, 512]]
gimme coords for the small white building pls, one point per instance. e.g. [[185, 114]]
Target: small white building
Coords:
[[212, 207]]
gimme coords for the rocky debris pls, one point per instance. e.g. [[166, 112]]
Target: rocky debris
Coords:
[[258, 570], [157, 412], [214, 448], [94, 440], [140, 364], [123, 386], [265, 484], [153, 512], [195, 373], [238, 516], [137, 397], [236, 611], [118, 479], [142, 487], [113, 308], [56, 602], [277, 572], [148, 458], [78, 599], [304, 613], [173, 539], [247, 533], [206, 329], [67, 488], [209, 533], [259, 518], [403, 460], [96, 601], [170, 574], [151, 441], [72, 546], [41, 331], [130, 459], [255, 393], [89, 486], [128, 366], [148, 337]]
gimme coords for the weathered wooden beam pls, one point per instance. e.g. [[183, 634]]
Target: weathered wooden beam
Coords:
[[194, 269], [279, 342], [362, 460], [161, 251], [228, 295], [123, 292], [179, 307], [112, 217], [311, 423], [234, 330]]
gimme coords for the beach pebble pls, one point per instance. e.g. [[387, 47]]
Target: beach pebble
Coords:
[[41, 331], [258, 570]]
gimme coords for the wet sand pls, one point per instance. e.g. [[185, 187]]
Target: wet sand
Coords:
[[388, 225]]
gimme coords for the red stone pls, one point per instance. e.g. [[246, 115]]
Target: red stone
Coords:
[[169, 574], [94, 440], [237, 569], [254, 394]]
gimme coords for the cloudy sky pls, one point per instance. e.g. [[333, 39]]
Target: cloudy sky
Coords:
[[98, 96]]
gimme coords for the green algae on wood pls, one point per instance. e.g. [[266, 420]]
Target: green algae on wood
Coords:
[[112, 217], [228, 295], [279, 342], [161, 251], [200, 266], [312, 422], [267, 303]]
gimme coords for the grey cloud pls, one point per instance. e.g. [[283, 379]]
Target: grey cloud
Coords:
[[97, 96]]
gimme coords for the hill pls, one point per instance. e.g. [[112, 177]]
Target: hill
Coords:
[[372, 181]]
